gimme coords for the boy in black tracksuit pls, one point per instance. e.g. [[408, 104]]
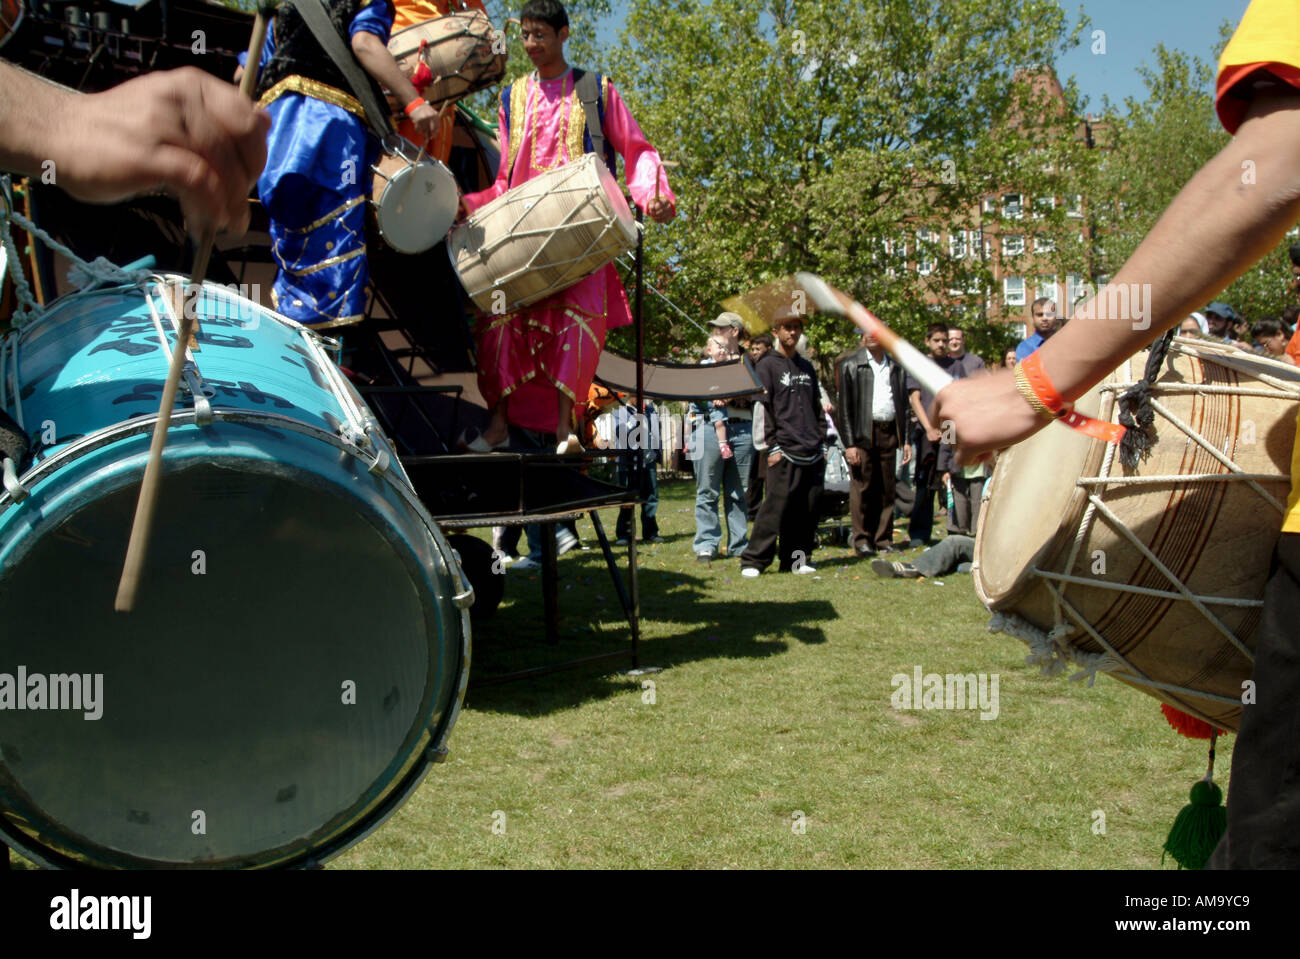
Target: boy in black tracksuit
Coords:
[[795, 430]]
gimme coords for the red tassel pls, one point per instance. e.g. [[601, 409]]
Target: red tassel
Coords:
[[1189, 726]]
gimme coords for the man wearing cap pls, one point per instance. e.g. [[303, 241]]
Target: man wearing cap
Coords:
[[722, 467], [1218, 317], [795, 428]]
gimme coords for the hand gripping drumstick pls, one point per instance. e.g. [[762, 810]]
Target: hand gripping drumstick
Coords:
[[144, 507], [761, 308], [830, 300]]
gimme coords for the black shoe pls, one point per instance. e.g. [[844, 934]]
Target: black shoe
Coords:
[[652, 539], [864, 551], [704, 557], [887, 550], [887, 570]]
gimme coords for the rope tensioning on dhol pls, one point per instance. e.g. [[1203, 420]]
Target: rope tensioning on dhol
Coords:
[[1135, 411], [83, 274]]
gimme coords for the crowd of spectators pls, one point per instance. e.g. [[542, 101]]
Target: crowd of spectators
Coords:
[[761, 464]]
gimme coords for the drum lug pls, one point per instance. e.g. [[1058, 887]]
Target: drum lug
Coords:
[[379, 465], [325, 342], [16, 490], [437, 754], [202, 407]]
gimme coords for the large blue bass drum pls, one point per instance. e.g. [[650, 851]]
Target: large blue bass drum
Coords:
[[299, 646]]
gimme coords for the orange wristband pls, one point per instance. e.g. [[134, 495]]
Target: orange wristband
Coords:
[[1050, 397], [414, 105], [1038, 381]]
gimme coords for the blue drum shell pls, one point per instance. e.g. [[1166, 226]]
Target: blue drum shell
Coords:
[[294, 660]]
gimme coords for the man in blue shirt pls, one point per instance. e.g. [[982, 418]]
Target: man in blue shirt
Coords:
[[1044, 311]]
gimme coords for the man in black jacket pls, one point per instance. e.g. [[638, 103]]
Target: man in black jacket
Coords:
[[795, 429], [872, 423]]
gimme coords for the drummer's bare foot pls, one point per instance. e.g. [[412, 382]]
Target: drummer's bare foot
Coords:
[[570, 444]]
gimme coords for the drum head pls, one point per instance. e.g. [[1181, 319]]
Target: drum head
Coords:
[[272, 697], [1033, 501], [417, 206]]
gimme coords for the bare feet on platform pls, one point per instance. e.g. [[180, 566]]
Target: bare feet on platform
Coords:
[[570, 444]]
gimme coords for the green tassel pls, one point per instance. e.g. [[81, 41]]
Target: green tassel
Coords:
[[1198, 828]]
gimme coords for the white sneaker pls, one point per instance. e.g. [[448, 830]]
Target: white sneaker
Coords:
[[750, 572], [526, 563], [565, 541], [803, 568]]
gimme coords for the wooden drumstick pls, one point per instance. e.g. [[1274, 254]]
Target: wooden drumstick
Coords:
[[146, 504], [923, 369]]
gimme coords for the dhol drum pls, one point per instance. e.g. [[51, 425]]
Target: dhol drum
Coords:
[[462, 51], [414, 197], [299, 647], [542, 236], [1153, 574]]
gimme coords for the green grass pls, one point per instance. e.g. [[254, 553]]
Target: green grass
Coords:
[[775, 698]]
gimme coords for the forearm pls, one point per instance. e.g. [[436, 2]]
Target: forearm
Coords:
[[1214, 230], [31, 113], [379, 63], [915, 399]]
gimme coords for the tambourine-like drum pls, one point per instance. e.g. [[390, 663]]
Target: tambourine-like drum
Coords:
[[414, 197], [1153, 574], [11, 14], [299, 646], [460, 50], [542, 236]]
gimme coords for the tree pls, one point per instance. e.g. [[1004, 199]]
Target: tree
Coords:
[[844, 138], [1159, 144]]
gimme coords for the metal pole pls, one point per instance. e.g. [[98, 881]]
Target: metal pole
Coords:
[[638, 456]]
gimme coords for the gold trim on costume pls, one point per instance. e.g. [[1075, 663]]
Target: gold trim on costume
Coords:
[[341, 321], [518, 108], [331, 215], [315, 89], [328, 261]]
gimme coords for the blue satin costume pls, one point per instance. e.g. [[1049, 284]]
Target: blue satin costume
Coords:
[[315, 187]]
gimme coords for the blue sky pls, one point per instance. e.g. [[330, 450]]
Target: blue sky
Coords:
[[1132, 29]]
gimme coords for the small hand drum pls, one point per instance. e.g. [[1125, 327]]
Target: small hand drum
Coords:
[[414, 197]]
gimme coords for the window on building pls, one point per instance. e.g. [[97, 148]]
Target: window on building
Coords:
[[924, 252], [957, 245], [990, 204], [1043, 205], [1013, 244], [1044, 244], [1076, 288], [1018, 330], [1075, 206], [1011, 203], [1013, 290], [1045, 286]]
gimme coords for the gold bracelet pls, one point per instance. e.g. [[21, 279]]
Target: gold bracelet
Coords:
[[1032, 398]]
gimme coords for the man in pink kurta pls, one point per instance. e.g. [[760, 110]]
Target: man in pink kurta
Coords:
[[533, 364]]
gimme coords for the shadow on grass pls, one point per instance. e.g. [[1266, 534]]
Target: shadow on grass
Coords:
[[682, 621]]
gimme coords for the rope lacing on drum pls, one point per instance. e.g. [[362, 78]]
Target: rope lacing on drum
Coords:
[[1050, 651], [1135, 411], [83, 274]]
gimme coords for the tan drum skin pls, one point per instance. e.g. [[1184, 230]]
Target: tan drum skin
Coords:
[[542, 236], [459, 51], [1216, 537]]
